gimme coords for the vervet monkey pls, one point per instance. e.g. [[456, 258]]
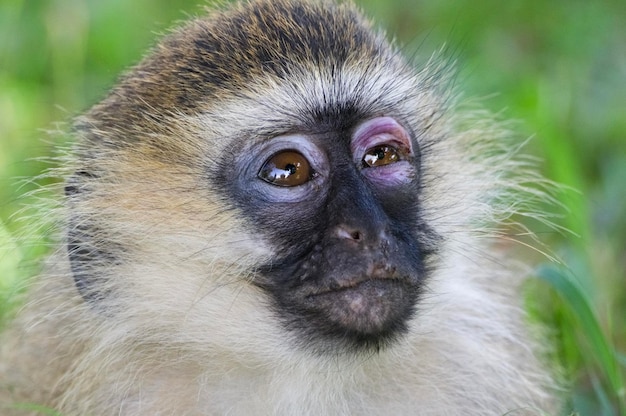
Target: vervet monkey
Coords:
[[274, 213]]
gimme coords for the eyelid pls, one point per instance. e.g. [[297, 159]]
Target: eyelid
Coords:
[[384, 131], [379, 131]]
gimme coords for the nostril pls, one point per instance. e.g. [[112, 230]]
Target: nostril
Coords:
[[349, 234]]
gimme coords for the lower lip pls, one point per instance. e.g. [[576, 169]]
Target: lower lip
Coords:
[[365, 307]]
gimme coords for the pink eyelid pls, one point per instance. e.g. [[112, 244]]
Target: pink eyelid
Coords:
[[383, 131], [379, 131]]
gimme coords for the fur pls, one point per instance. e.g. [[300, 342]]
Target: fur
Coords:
[[169, 323]]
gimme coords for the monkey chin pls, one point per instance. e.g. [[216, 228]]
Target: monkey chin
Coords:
[[365, 315]]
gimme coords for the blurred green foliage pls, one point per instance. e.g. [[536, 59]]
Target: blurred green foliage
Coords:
[[558, 66]]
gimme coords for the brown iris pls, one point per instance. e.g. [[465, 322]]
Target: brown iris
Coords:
[[287, 168], [380, 156]]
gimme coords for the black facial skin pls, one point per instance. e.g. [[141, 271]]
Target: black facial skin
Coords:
[[352, 261]]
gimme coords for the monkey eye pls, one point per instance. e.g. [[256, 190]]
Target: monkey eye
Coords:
[[380, 156], [286, 168]]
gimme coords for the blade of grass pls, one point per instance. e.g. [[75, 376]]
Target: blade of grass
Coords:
[[601, 348], [36, 408]]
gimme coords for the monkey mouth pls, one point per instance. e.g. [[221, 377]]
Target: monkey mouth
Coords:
[[373, 272], [365, 306], [356, 306]]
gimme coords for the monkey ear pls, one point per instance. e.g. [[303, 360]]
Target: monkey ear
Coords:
[[84, 242]]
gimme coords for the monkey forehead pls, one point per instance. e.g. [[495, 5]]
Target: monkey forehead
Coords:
[[245, 50], [313, 102]]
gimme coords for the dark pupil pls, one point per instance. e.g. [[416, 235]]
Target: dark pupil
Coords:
[[291, 168], [380, 153]]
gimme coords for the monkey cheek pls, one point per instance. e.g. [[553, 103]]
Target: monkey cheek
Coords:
[[372, 307]]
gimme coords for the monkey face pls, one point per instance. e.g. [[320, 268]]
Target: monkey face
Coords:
[[338, 202]]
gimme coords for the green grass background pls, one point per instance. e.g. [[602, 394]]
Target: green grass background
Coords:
[[558, 66]]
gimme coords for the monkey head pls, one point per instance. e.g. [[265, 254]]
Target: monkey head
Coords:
[[268, 168]]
